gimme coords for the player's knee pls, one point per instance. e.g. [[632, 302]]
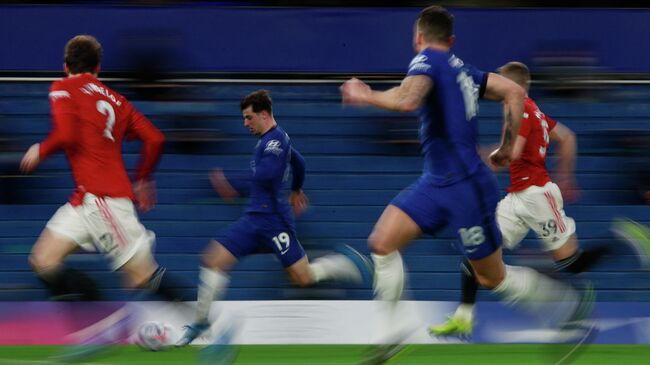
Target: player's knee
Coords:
[[302, 280], [217, 257], [41, 263], [490, 281], [379, 245]]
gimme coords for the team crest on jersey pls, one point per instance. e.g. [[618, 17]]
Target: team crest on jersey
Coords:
[[273, 146]]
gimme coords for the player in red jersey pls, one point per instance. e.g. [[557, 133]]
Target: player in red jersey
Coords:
[[90, 121], [533, 200]]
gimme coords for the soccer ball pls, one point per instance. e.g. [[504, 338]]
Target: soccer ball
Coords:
[[154, 336]]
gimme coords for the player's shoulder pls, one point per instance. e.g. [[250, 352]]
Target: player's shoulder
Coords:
[[59, 89], [276, 141], [425, 60]]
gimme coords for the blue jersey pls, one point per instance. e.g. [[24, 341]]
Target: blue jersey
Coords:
[[272, 158], [448, 123], [267, 225]]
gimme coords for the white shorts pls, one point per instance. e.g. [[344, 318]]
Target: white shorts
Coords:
[[108, 225], [537, 208]]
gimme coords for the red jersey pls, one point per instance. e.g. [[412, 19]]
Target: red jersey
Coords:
[[89, 123], [530, 168]]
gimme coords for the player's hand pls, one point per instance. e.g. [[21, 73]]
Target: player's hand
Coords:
[[499, 158], [355, 92], [221, 185], [298, 201], [31, 159], [145, 195]]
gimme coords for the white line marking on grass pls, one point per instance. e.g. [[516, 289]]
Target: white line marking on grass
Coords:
[[46, 362]]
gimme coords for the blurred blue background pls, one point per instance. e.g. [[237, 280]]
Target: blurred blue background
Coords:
[[187, 66]]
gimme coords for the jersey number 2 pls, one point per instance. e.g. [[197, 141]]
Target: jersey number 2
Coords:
[[107, 110]]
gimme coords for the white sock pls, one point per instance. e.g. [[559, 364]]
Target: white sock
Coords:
[[465, 312], [548, 299], [389, 276], [212, 285], [334, 267]]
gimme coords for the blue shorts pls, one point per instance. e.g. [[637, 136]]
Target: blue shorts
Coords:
[[263, 233], [468, 207]]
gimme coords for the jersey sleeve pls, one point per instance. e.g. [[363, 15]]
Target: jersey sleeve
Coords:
[[480, 78], [272, 161], [139, 127], [551, 122], [240, 181], [298, 169], [64, 120], [420, 65], [525, 126]]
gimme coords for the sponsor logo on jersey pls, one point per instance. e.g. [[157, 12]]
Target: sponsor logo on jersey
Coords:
[[273, 146], [59, 94]]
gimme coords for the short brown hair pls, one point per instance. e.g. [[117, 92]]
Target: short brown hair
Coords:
[[436, 24], [517, 72], [83, 53], [259, 100]]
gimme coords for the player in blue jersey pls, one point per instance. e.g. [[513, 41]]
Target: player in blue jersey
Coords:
[[456, 189], [267, 224]]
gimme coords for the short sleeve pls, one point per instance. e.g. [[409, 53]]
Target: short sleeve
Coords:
[[551, 122], [479, 77], [524, 128]]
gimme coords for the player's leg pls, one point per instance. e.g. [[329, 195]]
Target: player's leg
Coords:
[[461, 322], [61, 237], [548, 299], [239, 240], [347, 266], [216, 262], [542, 209], [118, 233], [513, 230], [394, 230]]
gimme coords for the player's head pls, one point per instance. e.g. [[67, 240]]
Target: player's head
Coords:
[[257, 109], [82, 54], [517, 72], [434, 26]]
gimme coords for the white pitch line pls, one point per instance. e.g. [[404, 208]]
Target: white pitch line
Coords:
[[46, 362]]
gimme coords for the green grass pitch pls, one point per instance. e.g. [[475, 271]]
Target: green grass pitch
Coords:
[[448, 354]]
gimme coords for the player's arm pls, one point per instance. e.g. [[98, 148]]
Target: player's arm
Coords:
[[139, 127], [62, 135], [565, 156], [406, 97], [512, 95], [567, 147], [232, 185], [297, 197]]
